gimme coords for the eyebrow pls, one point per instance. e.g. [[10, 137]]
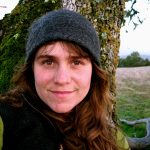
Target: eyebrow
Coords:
[[44, 56], [52, 57]]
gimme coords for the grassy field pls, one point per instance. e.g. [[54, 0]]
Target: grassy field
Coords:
[[133, 97]]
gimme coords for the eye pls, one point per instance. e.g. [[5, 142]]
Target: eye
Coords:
[[76, 61], [48, 62]]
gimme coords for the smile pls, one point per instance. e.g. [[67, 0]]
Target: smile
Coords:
[[62, 94]]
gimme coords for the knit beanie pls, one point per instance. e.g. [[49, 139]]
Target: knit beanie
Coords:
[[63, 25]]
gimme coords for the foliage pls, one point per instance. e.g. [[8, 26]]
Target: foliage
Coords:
[[132, 14], [133, 60]]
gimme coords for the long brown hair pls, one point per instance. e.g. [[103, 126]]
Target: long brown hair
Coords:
[[89, 125]]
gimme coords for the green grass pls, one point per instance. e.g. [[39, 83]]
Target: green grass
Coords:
[[133, 107], [133, 99], [138, 130]]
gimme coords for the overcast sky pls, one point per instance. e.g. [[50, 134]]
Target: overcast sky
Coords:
[[10, 4], [138, 39], [134, 40]]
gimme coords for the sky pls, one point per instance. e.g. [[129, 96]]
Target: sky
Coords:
[[10, 4], [133, 40], [138, 39]]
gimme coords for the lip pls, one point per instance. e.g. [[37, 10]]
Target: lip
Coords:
[[62, 93]]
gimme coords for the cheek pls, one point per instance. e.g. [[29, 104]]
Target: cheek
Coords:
[[86, 82], [41, 77], [84, 79], [37, 75]]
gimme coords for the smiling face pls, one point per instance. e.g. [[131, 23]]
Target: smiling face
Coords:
[[62, 76]]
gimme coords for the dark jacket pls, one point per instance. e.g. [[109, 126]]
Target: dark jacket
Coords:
[[26, 128]]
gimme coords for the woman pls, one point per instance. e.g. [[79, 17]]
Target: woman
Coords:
[[61, 99]]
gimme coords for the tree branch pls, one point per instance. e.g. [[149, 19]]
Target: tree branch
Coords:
[[139, 143]]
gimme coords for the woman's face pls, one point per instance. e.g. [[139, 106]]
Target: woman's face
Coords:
[[62, 76]]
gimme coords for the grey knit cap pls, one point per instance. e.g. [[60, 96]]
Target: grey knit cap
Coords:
[[63, 25]]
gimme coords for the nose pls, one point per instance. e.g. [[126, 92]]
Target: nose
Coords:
[[62, 75]]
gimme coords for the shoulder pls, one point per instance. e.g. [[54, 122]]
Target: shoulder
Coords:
[[26, 128], [12, 109], [8, 115], [1, 133], [122, 141], [9, 104]]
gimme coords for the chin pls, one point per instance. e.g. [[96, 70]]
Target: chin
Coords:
[[62, 110]]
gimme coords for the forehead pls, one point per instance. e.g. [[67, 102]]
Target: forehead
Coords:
[[68, 47]]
